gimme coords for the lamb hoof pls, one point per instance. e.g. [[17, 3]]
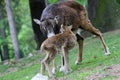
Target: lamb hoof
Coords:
[[61, 69], [54, 70], [68, 71], [78, 62]]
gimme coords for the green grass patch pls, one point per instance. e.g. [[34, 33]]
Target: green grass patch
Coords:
[[94, 60]]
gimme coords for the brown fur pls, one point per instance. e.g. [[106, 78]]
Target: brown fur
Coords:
[[60, 42]]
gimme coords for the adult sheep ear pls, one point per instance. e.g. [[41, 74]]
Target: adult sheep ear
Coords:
[[56, 19], [37, 21]]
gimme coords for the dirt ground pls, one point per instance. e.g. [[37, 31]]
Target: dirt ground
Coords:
[[108, 73], [111, 72]]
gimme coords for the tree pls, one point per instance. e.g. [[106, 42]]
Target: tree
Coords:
[[4, 47], [92, 7], [36, 8], [13, 30], [1, 55], [104, 14]]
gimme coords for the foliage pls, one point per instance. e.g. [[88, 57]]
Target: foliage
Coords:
[[53, 1], [25, 35], [26, 39], [94, 60], [118, 1], [22, 18], [107, 15], [83, 2], [2, 22]]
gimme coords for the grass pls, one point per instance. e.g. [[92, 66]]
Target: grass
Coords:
[[94, 61]]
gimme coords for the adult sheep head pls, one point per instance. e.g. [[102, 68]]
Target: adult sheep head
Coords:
[[47, 25]]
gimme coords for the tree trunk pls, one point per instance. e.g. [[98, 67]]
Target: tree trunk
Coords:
[[36, 8], [106, 16], [1, 55], [5, 50], [13, 30], [5, 54], [92, 7]]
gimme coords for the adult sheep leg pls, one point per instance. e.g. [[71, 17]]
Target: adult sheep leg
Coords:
[[80, 44], [86, 25]]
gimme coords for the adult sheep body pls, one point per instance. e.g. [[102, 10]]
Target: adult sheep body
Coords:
[[53, 16]]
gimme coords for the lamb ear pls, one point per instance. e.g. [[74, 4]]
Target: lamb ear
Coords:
[[56, 19], [37, 21]]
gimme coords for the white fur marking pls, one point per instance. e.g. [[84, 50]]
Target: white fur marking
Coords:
[[54, 70], [76, 62], [79, 31], [108, 52], [50, 34], [61, 68]]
